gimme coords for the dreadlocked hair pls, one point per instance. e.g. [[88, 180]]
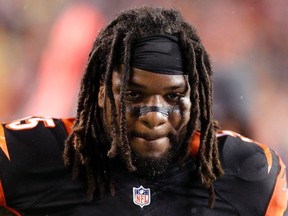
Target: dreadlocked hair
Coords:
[[89, 150]]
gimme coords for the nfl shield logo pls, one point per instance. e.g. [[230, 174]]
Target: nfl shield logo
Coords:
[[141, 196]]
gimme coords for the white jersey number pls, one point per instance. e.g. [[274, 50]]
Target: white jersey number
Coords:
[[30, 122]]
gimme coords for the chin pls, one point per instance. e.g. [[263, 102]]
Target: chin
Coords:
[[152, 155], [152, 164], [152, 158]]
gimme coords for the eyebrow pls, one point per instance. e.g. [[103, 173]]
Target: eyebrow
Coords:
[[136, 85], [176, 87]]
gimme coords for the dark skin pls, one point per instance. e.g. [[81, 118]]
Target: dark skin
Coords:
[[158, 109]]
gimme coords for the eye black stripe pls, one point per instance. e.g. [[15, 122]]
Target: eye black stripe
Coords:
[[139, 111]]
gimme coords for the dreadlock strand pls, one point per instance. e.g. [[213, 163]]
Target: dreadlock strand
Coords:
[[68, 152], [211, 200], [114, 128], [124, 147], [208, 140], [207, 107], [216, 158], [205, 169], [108, 83], [213, 152], [75, 169], [193, 80]]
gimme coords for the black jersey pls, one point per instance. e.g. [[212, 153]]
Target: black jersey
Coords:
[[34, 180]]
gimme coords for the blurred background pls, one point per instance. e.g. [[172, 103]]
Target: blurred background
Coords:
[[44, 47]]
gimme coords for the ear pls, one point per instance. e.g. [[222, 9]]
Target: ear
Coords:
[[101, 95]]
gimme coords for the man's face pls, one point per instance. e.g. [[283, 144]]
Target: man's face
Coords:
[[157, 111]]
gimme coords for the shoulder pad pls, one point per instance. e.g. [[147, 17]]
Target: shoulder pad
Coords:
[[244, 157]]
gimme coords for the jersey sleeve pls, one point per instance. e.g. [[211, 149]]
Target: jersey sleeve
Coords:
[[255, 177], [31, 164], [4, 209]]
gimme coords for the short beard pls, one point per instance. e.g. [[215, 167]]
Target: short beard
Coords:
[[152, 167]]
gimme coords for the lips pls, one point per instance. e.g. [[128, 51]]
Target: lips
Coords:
[[153, 141], [150, 146], [149, 136]]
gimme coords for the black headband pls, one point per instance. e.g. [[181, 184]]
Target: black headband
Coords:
[[159, 54]]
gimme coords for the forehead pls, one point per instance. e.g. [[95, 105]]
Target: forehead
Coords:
[[151, 80]]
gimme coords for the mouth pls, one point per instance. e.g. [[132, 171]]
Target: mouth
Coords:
[[152, 141], [151, 146], [149, 136]]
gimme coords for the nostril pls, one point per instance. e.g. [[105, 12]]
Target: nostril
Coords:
[[153, 119]]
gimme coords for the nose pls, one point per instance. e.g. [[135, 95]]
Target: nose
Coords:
[[153, 119], [154, 113]]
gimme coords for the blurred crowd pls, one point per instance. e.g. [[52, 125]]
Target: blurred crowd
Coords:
[[44, 47]]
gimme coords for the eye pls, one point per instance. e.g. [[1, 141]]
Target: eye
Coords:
[[174, 96], [132, 95]]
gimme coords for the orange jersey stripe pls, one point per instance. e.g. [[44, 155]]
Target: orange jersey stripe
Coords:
[[68, 124], [2, 196], [195, 144], [268, 155], [12, 211], [3, 144], [3, 202], [279, 199]]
